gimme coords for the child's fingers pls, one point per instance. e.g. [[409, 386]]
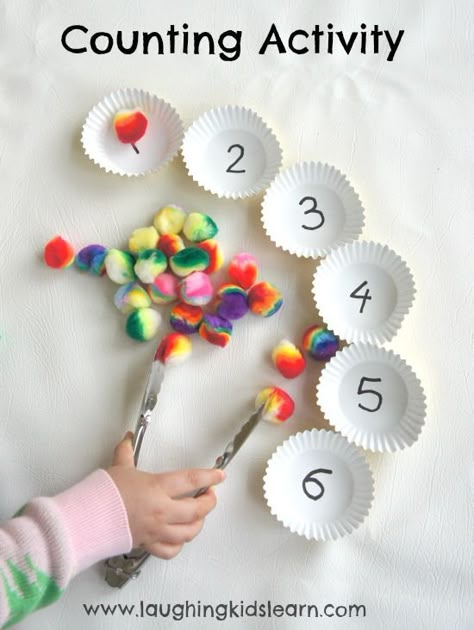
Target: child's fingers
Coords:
[[180, 534], [182, 482], [189, 510], [163, 550], [123, 453]]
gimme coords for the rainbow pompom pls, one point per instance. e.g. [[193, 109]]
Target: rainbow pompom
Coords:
[[131, 297], [143, 324], [216, 255], [231, 301], [279, 406], [188, 260], [119, 266], [58, 253], [264, 299], [163, 289], [173, 349], [288, 359], [150, 263], [216, 330], [170, 244], [142, 239], [169, 220], [185, 318], [199, 227], [320, 343], [243, 270], [91, 258], [196, 289]]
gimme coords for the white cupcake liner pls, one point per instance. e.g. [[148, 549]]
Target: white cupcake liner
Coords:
[[356, 268], [213, 158], [158, 146], [310, 208], [373, 398], [326, 510]]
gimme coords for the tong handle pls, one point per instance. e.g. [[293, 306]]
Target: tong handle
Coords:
[[120, 569], [221, 463]]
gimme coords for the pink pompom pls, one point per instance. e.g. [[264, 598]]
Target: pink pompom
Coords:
[[196, 289]]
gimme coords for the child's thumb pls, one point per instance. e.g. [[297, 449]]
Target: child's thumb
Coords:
[[123, 453]]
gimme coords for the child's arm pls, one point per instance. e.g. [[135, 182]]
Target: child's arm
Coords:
[[106, 514], [55, 538]]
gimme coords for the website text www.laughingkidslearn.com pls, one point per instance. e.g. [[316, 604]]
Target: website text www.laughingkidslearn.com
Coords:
[[180, 611]]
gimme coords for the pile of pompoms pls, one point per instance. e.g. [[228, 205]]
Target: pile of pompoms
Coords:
[[318, 342], [170, 263]]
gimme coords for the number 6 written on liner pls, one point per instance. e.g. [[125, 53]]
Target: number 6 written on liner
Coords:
[[310, 478]]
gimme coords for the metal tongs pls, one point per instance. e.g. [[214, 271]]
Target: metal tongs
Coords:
[[150, 397], [121, 569]]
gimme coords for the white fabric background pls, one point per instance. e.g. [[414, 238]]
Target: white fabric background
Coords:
[[71, 380]]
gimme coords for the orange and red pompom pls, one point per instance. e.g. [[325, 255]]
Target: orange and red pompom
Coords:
[[288, 359], [58, 253], [216, 255], [243, 270], [173, 349], [264, 299], [278, 405]]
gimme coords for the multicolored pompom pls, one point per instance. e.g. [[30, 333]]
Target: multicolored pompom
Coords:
[[320, 343], [169, 220], [119, 266], [143, 239], [150, 263], [189, 260], [288, 359], [199, 227], [163, 289], [243, 270], [216, 255], [278, 405], [173, 349], [185, 318], [58, 253], [196, 289], [170, 244], [131, 297], [143, 324], [216, 330], [231, 301], [264, 299], [91, 258]]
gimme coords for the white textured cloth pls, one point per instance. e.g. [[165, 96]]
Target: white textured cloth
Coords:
[[72, 381]]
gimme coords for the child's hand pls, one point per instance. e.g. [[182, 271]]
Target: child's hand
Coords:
[[159, 520]]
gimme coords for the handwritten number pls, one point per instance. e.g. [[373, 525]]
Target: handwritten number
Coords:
[[312, 210], [230, 168], [310, 478], [361, 391], [366, 296]]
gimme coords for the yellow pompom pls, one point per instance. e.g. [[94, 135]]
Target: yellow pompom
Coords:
[[143, 238]]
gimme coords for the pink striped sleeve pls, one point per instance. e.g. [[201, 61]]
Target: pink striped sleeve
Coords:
[[55, 538]]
